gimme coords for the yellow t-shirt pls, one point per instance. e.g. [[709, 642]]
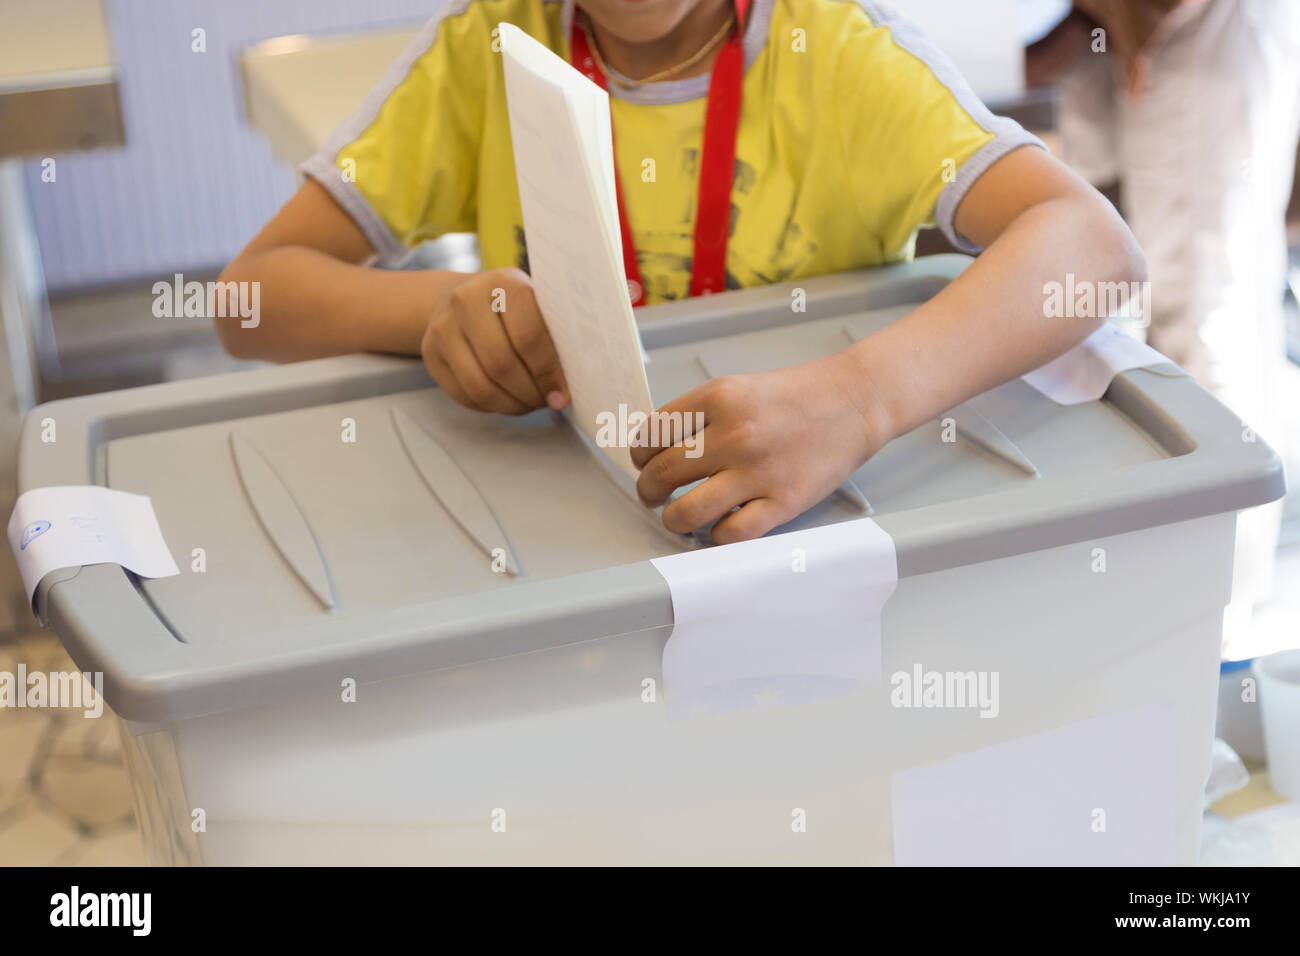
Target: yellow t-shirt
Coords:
[[854, 132]]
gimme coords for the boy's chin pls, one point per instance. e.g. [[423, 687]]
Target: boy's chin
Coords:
[[638, 21]]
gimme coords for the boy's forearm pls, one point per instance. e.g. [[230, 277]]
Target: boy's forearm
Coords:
[[313, 305], [991, 325]]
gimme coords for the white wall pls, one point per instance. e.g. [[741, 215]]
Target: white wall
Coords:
[[194, 182]]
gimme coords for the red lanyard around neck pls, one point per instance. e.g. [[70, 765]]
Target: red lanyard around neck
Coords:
[[713, 203]]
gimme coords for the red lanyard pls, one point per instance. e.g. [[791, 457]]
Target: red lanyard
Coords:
[[713, 204]]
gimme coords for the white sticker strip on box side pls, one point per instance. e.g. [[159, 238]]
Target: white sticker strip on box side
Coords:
[[785, 619], [74, 525], [1085, 372], [1095, 793]]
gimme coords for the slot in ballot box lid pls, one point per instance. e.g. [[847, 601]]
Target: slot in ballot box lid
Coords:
[[353, 519]]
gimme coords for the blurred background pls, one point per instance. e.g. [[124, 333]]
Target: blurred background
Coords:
[[144, 138]]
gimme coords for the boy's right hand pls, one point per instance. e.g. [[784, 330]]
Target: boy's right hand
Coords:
[[487, 346]]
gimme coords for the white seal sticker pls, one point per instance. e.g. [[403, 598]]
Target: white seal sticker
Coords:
[[74, 525], [1085, 372], [786, 619]]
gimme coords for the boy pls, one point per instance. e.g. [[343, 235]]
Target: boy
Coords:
[[850, 132]]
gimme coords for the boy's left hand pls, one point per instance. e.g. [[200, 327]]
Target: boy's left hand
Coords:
[[773, 445]]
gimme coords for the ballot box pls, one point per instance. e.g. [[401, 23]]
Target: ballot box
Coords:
[[405, 632]]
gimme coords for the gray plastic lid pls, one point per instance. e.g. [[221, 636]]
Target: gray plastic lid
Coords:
[[440, 537]]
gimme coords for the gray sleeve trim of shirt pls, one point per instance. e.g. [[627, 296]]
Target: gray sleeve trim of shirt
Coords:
[[321, 167], [1008, 134], [945, 210]]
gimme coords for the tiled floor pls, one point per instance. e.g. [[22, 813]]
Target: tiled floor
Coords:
[[64, 796]]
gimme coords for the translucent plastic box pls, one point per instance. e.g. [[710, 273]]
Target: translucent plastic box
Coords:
[[486, 697]]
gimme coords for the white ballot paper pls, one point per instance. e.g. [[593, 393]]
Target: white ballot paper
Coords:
[[1085, 372], [74, 525], [564, 162]]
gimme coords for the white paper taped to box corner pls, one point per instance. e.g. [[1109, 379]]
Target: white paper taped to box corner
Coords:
[[785, 619], [69, 526], [565, 172], [1085, 372]]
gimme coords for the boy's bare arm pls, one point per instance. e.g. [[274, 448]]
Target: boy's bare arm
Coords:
[[317, 298], [776, 443], [1037, 221]]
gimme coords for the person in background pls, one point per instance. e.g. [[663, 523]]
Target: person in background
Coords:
[[1193, 108]]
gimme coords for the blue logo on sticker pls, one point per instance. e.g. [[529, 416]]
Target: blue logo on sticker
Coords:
[[32, 532]]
